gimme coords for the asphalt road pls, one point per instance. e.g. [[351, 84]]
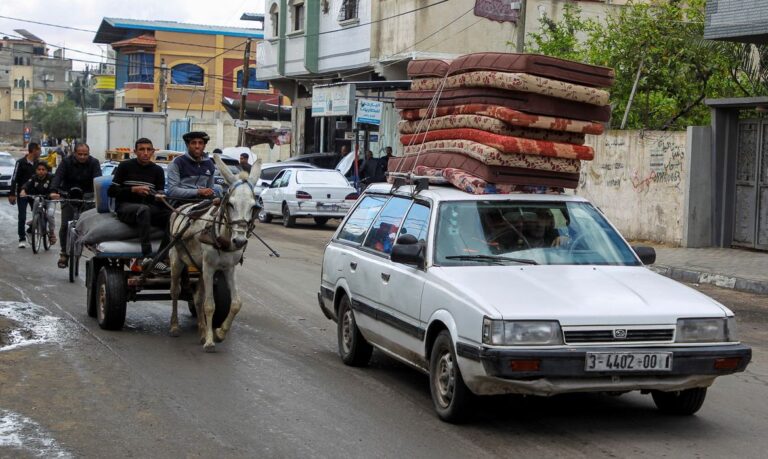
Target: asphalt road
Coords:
[[276, 387]]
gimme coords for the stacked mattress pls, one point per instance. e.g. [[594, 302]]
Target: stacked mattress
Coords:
[[499, 122]]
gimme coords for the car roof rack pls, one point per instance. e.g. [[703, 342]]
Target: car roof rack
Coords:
[[419, 182]]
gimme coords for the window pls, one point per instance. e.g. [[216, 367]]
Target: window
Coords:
[[357, 224], [348, 10], [381, 238], [253, 83], [298, 16], [141, 68], [417, 222], [18, 105], [15, 82], [48, 97], [187, 74], [22, 83], [274, 16]]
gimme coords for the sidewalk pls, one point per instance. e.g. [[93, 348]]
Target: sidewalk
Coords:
[[738, 269]]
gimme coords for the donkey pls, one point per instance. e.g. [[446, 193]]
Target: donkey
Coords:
[[213, 241]]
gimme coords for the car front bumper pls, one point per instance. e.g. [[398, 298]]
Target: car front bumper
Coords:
[[490, 370]]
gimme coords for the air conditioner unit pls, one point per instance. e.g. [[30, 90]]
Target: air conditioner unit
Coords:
[[341, 125]]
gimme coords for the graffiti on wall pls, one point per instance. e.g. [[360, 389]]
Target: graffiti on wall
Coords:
[[665, 166]]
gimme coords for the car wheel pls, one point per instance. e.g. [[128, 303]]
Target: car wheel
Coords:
[[264, 217], [354, 350], [321, 221], [684, 402], [450, 396], [288, 220]]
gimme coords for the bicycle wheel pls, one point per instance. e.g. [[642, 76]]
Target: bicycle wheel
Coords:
[[35, 234], [44, 229], [72, 263]]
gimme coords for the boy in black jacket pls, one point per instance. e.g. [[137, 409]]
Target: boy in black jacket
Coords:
[[40, 185], [135, 186]]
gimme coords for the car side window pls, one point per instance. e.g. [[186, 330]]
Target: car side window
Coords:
[[285, 180], [358, 222], [381, 238], [271, 173], [276, 182], [417, 222]]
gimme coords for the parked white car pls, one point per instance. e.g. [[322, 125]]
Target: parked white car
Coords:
[[270, 170], [525, 294], [321, 194], [7, 164]]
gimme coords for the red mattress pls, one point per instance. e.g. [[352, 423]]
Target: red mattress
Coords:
[[535, 64], [523, 101], [491, 174], [425, 68], [475, 185], [509, 116], [505, 144]]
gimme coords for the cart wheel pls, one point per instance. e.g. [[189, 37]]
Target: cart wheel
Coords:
[[111, 297], [221, 298], [73, 261]]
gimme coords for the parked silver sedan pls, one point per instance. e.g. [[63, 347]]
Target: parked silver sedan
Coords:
[[317, 193]]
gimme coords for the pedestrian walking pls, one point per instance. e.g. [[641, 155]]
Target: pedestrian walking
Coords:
[[24, 170]]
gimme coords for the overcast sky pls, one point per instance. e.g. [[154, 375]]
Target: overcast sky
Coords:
[[87, 14]]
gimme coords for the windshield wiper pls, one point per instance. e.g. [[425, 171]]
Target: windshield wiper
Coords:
[[491, 258]]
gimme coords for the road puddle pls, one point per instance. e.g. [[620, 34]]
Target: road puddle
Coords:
[[19, 433], [24, 324]]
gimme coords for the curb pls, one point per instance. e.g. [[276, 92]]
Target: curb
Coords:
[[720, 280]]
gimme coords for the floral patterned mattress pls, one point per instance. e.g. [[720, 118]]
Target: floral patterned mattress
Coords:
[[475, 185], [493, 157], [491, 174], [509, 116], [523, 101], [505, 144], [516, 82], [486, 123]]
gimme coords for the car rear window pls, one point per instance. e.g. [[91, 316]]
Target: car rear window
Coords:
[[357, 224], [332, 178]]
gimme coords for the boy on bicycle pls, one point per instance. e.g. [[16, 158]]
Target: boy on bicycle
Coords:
[[40, 185]]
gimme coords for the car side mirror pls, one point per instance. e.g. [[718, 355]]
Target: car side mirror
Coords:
[[646, 254], [408, 251]]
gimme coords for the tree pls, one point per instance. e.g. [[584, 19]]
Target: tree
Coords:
[[663, 41], [60, 120]]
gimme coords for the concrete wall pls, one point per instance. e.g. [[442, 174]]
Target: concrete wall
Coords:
[[639, 180]]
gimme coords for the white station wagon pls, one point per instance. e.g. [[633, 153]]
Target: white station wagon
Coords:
[[523, 293]]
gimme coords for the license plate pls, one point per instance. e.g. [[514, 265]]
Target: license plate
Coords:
[[628, 361], [331, 207]]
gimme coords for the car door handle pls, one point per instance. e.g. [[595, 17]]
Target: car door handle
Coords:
[[385, 277], [353, 264]]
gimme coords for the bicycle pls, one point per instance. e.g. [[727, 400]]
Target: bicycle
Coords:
[[38, 230], [75, 199]]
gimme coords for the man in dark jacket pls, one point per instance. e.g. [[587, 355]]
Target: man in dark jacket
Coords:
[[24, 170], [76, 171], [192, 176], [136, 185]]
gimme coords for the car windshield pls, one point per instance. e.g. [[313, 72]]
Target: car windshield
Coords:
[[6, 161], [515, 232], [313, 177]]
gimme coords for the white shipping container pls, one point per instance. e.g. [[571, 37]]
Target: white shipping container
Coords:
[[116, 129]]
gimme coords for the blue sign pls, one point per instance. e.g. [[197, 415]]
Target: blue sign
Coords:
[[27, 136], [369, 111]]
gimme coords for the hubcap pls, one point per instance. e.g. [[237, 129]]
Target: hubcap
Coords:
[[346, 331], [445, 380]]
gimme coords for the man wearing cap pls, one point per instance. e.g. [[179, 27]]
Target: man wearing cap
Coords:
[[192, 176]]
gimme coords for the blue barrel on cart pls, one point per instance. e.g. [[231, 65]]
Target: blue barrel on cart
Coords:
[[104, 204]]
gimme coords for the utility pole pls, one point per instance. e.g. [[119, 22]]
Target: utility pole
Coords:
[[83, 82], [520, 44], [162, 103], [244, 91], [23, 112]]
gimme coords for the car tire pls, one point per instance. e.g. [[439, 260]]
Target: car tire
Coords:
[[682, 403], [288, 220], [354, 350], [111, 298], [264, 217], [450, 396], [321, 221]]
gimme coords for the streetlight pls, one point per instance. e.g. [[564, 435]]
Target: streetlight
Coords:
[[23, 111]]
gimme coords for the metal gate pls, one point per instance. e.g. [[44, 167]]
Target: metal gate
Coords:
[[179, 127], [750, 226]]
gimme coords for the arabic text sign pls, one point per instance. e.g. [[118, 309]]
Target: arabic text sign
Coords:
[[333, 100], [369, 111]]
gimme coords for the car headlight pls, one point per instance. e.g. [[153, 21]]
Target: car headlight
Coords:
[[715, 330], [521, 332]]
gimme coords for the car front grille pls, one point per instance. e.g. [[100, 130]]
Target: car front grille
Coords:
[[611, 336]]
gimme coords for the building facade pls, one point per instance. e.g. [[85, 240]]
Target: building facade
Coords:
[[28, 73], [182, 69]]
